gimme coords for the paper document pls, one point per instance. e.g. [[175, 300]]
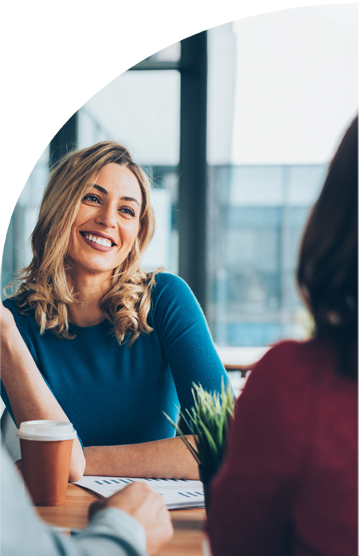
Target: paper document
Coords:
[[177, 493]]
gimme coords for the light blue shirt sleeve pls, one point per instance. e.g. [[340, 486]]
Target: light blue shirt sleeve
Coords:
[[110, 533]]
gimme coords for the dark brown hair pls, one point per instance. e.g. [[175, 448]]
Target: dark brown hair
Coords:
[[328, 261]]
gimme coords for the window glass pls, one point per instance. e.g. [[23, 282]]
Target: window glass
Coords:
[[141, 110], [274, 121]]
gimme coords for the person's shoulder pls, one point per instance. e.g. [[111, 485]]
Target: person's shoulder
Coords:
[[167, 278], [171, 294], [16, 301], [165, 281], [286, 377], [296, 361], [22, 313], [300, 349], [11, 303]]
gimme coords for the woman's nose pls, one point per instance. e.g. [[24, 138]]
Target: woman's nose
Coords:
[[107, 216]]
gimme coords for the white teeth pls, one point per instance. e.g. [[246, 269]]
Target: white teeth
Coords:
[[99, 240]]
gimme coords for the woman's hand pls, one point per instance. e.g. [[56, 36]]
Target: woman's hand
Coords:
[[147, 507]]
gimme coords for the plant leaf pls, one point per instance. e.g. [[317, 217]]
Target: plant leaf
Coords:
[[208, 421]]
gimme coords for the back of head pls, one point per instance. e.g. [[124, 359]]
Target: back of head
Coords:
[[328, 261]]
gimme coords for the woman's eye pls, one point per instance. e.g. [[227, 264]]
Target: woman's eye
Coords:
[[91, 198], [128, 211]]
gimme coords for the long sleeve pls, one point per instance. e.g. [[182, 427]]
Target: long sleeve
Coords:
[[111, 531], [128, 389], [252, 496], [185, 337]]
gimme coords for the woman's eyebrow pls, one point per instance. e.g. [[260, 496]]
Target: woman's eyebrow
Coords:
[[130, 199], [125, 198], [101, 188]]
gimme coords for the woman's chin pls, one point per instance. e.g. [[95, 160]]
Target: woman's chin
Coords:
[[92, 270]]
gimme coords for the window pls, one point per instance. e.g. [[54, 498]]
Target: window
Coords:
[[279, 99], [141, 110]]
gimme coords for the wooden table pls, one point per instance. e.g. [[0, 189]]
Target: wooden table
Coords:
[[188, 524]]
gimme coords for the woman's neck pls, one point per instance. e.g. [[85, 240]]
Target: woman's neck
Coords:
[[90, 289]]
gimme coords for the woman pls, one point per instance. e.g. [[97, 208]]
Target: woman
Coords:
[[289, 482], [91, 338]]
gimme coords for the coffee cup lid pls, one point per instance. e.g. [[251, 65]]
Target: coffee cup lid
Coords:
[[46, 430]]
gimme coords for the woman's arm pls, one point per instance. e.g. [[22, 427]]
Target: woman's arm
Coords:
[[184, 335], [189, 350], [186, 339], [29, 395], [166, 459]]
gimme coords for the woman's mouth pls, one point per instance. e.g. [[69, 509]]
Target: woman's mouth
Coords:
[[97, 242]]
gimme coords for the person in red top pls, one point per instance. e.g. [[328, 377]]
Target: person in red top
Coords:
[[288, 485]]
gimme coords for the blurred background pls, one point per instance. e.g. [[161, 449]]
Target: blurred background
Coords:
[[236, 127]]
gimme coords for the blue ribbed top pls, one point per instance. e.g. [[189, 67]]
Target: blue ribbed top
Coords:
[[114, 394]]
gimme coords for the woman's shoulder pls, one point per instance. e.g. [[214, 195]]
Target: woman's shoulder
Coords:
[[167, 283], [293, 361], [172, 300], [22, 313], [164, 278], [313, 347], [12, 303], [286, 380]]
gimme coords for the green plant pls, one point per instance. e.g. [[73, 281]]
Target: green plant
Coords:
[[208, 421]]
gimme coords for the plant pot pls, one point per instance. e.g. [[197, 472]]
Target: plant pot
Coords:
[[205, 476]]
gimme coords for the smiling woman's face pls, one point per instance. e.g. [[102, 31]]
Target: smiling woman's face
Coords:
[[107, 222]]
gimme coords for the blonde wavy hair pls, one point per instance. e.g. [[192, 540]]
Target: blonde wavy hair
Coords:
[[43, 286]]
